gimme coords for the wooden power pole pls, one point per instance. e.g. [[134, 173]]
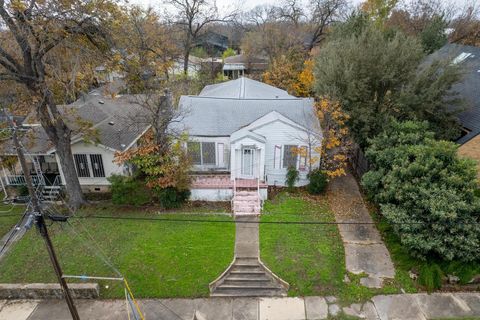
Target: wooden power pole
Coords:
[[40, 220]]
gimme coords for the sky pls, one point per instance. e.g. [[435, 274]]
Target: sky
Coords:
[[228, 5]]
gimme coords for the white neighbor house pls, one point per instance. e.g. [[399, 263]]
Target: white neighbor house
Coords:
[[117, 123], [245, 133]]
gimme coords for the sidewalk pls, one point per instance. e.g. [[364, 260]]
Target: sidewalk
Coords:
[[399, 307], [365, 251]]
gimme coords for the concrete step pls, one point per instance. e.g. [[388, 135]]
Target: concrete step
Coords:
[[242, 292], [247, 282], [247, 273], [247, 209], [246, 193], [246, 198]]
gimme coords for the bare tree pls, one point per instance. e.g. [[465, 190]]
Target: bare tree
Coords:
[[323, 13], [193, 16], [34, 29], [466, 26]]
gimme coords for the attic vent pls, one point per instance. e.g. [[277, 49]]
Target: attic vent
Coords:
[[101, 102], [111, 123], [461, 57]]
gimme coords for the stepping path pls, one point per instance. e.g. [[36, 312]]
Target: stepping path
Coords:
[[365, 251], [247, 276]]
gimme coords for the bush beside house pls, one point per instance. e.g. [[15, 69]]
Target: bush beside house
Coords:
[[426, 192]]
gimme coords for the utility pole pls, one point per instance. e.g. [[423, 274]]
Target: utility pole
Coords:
[[40, 220]]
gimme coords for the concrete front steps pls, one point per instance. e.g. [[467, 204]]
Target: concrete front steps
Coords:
[[248, 277], [246, 202]]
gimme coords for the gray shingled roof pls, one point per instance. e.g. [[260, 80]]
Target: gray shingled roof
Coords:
[[468, 88], [118, 121], [222, 109], [244, 88]]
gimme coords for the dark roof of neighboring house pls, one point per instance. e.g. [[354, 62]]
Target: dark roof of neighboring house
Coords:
[[118, 122], [468, 58], [211, 38], [224, 108]]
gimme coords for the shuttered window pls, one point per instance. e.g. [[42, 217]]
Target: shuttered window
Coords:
[[97, 165], [81, 163], [289, 156]]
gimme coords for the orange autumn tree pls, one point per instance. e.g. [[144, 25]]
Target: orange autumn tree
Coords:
[[161, 170], [286, 74], [335, 144]]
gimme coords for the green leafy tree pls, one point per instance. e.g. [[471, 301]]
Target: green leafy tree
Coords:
[[425, 191], [433, 36], [228, 53], [376, 76]]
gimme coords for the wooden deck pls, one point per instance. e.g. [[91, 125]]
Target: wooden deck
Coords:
[[217, 181]]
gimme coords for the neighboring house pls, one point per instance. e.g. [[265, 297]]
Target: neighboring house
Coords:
[[247, 133], [240, 65], [116, 125], [468, 58], [195, 65], [213, 43]]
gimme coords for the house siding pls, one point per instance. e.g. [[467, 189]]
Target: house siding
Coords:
[[471, 149], [280, 133], [98, 184]]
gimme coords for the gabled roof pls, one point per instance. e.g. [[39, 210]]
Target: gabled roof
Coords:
[[244, 88], [221, 109], [118, 122], [468, 58]]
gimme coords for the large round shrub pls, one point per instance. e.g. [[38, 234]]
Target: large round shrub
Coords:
[[426, 192]]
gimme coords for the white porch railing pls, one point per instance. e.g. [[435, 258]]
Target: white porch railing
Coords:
[[17, 180]]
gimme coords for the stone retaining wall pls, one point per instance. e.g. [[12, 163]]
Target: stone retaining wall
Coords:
[[47, 290]]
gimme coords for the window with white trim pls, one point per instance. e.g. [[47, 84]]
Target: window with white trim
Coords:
[[289, 156], [302, 154], [97, 165], [81, 164], [88, 166], [202, 153]]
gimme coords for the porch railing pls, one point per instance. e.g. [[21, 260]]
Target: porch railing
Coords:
[[18, 180]]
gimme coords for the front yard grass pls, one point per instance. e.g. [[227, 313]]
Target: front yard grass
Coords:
[[159, 258], [311, 257], [10, 215]]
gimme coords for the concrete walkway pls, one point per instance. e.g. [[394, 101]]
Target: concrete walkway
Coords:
[[365, 251], [399, 307], [246, 236]]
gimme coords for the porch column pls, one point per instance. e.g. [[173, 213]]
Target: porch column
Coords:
[[232, 162], [60, 170]]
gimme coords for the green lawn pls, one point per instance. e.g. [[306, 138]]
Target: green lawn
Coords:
[[311, 257], [9, 216], [158, 258]]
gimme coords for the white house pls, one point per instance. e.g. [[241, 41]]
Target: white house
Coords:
[[116, 123], [245, 133]]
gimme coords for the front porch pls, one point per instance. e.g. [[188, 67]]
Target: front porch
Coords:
[[224, 181], [221, 187]]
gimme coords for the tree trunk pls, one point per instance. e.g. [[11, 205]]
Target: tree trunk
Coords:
[[60, 136], [185, 61]]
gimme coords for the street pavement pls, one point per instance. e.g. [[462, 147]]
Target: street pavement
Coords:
[[384, 307]]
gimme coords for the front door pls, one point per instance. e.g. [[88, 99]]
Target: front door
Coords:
[[247, 162]]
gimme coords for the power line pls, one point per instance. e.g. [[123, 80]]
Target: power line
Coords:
[[253, 222]]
